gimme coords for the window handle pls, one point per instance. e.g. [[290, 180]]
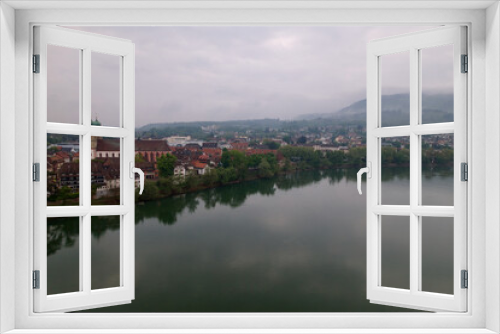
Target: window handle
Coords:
[[139, 171], [368, 171]]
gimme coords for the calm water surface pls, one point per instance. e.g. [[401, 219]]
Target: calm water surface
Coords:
[[294, 243]]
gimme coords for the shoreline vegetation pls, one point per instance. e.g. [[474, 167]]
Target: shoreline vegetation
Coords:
[[236, 167]]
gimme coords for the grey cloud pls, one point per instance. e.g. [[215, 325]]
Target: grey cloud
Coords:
[[221, 73]]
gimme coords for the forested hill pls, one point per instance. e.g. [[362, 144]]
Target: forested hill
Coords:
[[436, 108], [395, 108]]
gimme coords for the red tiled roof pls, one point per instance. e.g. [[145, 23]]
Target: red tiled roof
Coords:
[[62, 154], [108, 144], [239, 146], [203, 157], [152, 145], [69, 168], [212, 151], [55, 158], [146, 166], [199, 165], [260, 151]]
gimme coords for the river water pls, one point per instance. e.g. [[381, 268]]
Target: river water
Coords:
[[293, 243]]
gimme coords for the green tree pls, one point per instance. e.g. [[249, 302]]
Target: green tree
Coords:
[[402, 157], [254, 160], [166, 164], [287, 166], [287, 139], [233, 158], [150, 192], [335, 157], [228, 175], [139, 158], [265, 169], [302, 140], [271, 144], [357, 155]]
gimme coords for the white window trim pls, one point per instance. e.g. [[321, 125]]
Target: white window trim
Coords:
[[484, 214]]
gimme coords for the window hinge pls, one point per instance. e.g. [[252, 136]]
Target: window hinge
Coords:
[[36, 279], [464, 172], [36, 63], [465, 279], [465, 64], [36, 172]]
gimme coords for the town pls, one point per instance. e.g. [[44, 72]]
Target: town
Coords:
[[183, 163]]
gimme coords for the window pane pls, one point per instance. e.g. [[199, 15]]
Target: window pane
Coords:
[[395, 160], [105, 171], [437, 84], [63, 84], [437, 254], [437, 170], [63, 170], [63, 255], [395, 245], [106, 87], [105, 252], [395, 89]]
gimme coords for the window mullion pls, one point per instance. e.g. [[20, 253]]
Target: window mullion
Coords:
[[86, 175], [85, 254], [414, 171]]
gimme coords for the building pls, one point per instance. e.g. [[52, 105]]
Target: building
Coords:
[[149, 169], [151, 149], [177, 140], [105, 147], [200, 168], [179, 170], [69, 175], [192, 146], [209, 145], [324, 148], [240, 146]]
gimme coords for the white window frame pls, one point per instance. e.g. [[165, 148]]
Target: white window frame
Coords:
[[86, 44], [413, 44], [483, 20]]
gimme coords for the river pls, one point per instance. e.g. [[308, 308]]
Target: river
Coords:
[[293, 243]]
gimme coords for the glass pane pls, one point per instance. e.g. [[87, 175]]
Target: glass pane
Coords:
[[437, 84], [395, 89], [437, 170], [395, 160], [105, 171], [437, 254], [105, 252], [106, 87], [63, 255], [63, 84], [63, 170], [395, 245]]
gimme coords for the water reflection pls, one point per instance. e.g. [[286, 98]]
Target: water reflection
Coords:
[[295, 243]]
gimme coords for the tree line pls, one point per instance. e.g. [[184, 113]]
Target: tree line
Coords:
[[236, 166]]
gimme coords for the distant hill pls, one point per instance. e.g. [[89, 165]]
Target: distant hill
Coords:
[[395, 109], [257, 123]]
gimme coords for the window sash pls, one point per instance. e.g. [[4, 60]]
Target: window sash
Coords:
[[414, 297], [86, 297]]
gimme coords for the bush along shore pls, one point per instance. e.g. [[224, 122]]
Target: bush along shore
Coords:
[[236, 167]]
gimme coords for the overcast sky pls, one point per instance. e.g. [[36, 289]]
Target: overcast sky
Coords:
[[227, 73]]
